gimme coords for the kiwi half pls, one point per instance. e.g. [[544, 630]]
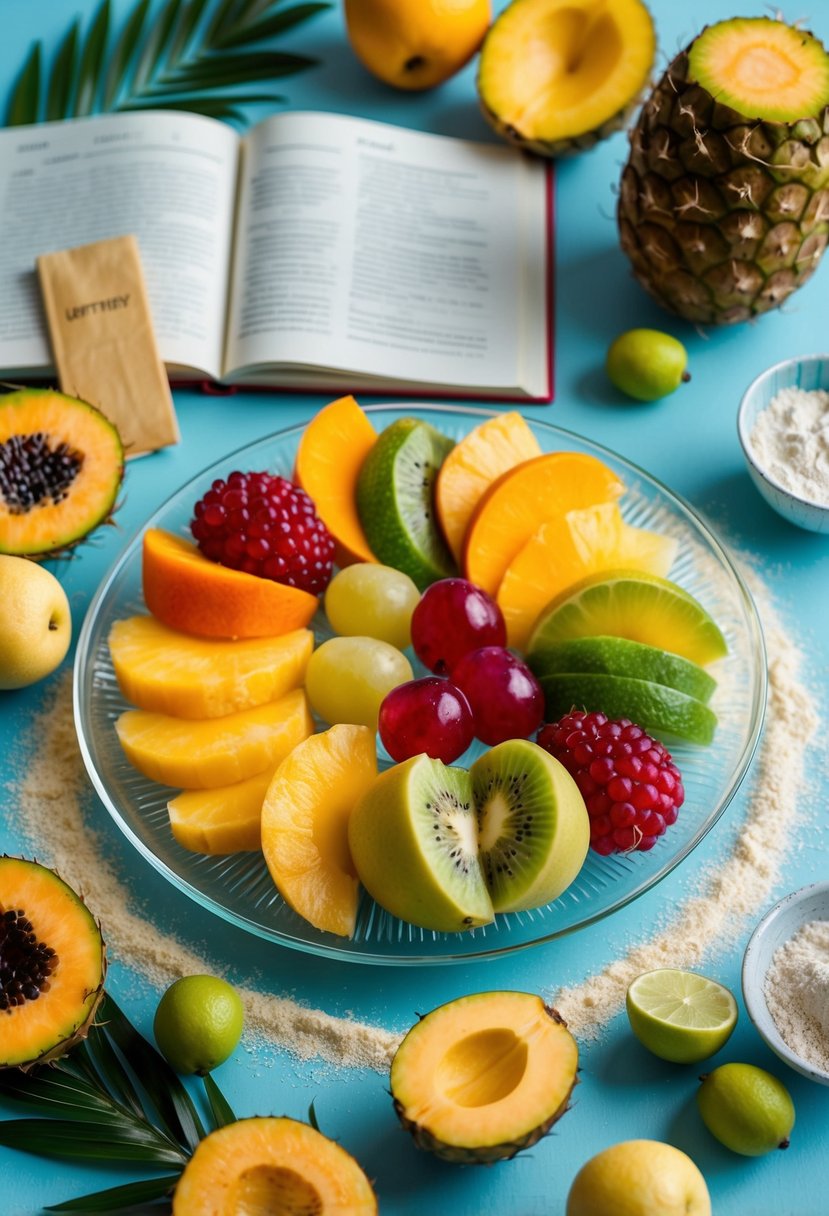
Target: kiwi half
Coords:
[[533, 828], [413, 840], [395, 500]]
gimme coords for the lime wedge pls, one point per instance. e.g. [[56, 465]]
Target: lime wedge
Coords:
[[620, 657], [659, 710], [631, 604], [679, 1015]]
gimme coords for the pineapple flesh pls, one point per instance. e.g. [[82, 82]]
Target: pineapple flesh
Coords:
[[557, 76], [724, 202]]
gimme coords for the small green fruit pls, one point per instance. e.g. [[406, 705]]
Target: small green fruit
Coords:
[[198, 1023], [647, 364], [746, 1108]]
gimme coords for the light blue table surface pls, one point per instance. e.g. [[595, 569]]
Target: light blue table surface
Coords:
[[689, 442]]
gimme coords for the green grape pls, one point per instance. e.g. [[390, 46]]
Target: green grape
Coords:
[[347, 678], [373, 601]]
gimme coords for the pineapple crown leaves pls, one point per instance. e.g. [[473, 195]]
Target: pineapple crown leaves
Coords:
[[200, 55], [114, 1099]]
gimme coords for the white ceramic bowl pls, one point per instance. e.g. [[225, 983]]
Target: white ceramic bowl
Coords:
[[809, 372], [777, 927]]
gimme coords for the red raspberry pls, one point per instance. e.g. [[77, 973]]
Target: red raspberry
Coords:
[[630, 785], [267, 526]]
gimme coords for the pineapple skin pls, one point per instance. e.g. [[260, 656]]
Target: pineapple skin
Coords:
[[722, 216]]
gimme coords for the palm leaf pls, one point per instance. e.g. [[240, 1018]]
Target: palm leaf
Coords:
[[170, 53], [80, 1140], [57, 1091], [62, 75], [25, 99], [220, 1108], [119, 1198]]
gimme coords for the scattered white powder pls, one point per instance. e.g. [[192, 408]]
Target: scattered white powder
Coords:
[[790, 442], [47, 801], [742, 883], [797, 993]]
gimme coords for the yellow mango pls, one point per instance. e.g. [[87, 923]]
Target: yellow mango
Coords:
[[222, 820], [167, 672], [216, 751]]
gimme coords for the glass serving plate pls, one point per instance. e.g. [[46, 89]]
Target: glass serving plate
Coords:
[[239, 888]]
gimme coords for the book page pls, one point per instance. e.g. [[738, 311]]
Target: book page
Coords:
[[386, 252], [167, 178]]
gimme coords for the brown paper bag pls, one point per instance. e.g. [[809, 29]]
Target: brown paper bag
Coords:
[[103, 342]]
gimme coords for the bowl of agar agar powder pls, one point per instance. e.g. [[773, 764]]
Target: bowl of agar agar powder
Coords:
[[785, 980], [783, 428]]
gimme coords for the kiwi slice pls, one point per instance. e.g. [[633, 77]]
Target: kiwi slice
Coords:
[[533, 829], [413, 841], [395, 500]]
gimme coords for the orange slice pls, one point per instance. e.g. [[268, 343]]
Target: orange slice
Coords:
[[305, 824], [522, 499], [569, 547], [331, 452], [473, 464], [188, 592]]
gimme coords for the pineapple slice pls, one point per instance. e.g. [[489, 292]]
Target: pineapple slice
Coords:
[[724, 202], [556, 76]]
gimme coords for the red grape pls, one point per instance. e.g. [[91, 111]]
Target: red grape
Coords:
[[506, 698], [453, 617], [428, 715]]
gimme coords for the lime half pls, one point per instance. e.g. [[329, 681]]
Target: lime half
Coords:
[[679, 1015]]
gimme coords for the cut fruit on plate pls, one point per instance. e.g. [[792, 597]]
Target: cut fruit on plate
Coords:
[[215, 751], [305, 819], [484, 1077], [521, 499], [621, 657], [566, 549], [475, 462], [331, 452], [225, 819], [414, 841], [656, 708], [679, 1015], [167, 672], [632, 605], [557, 76], [395, 500], [187, 592]]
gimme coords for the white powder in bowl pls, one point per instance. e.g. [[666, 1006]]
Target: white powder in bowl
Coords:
[[797, 993], [790, 443]]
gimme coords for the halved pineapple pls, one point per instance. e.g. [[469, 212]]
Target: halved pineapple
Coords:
[[556, 76]]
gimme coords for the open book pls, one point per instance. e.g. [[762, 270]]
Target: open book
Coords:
[[315, 252]]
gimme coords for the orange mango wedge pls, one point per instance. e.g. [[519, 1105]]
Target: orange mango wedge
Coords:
[[567, 548], [226, 819], [473, 464], [521, 500], [188, 592], [331, 452]]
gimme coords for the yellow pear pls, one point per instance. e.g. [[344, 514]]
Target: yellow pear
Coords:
[[415, 44], [35, 622]]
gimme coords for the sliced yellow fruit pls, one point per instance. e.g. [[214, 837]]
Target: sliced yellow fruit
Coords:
[[222, 820], [564, 550], [305, 824], [216, 751], [166, 672]]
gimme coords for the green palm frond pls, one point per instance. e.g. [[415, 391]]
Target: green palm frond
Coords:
[[201, 55], [113, 1100]]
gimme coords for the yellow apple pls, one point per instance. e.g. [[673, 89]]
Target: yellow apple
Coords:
[[639, 1178], [35, 622], [415, 44]]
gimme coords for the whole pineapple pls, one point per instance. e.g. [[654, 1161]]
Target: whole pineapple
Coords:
[[724, 202]]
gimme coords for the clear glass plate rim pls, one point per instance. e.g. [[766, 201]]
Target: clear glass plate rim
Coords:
[[324, 949]]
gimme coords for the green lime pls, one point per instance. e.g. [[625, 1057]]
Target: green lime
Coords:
[[630, 604], [198, 1023], [647, 364], [621, 657], [657, 709], [395, 500], [746, 1108], [679, 1015]]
